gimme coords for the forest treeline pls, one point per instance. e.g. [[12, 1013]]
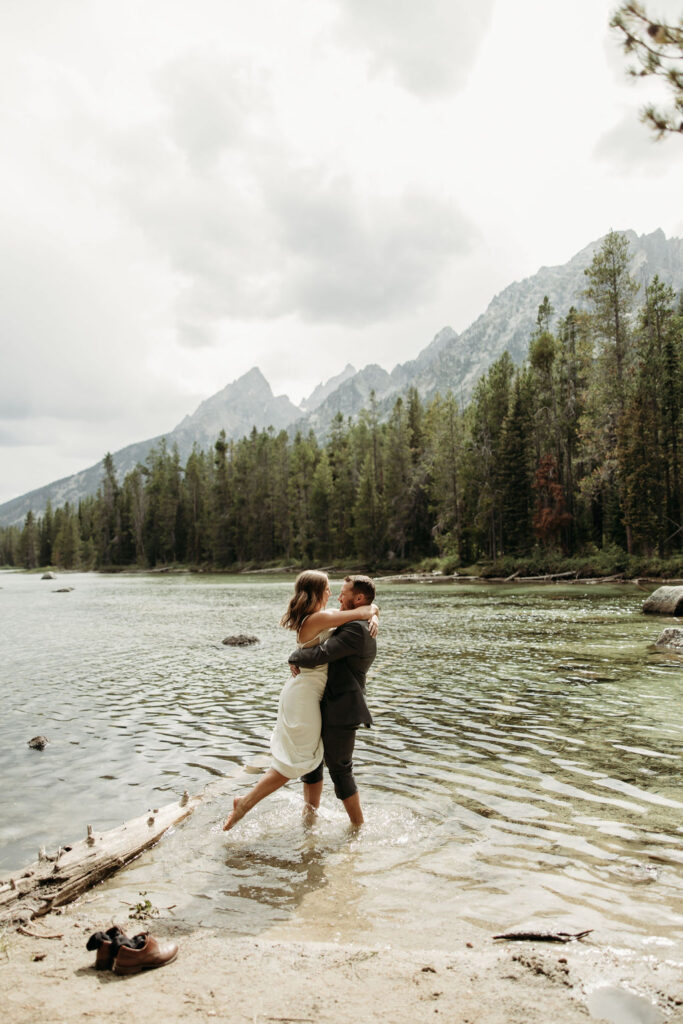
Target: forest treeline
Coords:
[[576, 452]]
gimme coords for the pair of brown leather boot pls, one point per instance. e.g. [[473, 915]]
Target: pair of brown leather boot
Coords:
[[115, 951]]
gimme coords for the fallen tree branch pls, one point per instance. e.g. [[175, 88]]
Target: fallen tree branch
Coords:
[[50, 883], [39, 935], [543, 936]]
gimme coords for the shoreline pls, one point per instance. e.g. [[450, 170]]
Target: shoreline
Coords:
[[283, 973], [436, 578], [247, 979]]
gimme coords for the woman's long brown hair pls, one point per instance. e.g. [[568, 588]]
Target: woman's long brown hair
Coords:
[[308, 593]]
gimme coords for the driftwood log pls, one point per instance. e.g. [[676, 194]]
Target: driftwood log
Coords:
[[54, 880], [543, 936]]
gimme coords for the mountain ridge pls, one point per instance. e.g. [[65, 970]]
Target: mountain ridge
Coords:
[[450, 361]]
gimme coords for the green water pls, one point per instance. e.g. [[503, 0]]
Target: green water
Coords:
[[525, 767]]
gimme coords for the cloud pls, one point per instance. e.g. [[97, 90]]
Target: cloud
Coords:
[[630, 147], [213, 104], [250, 231], [430, 47], [358, 259]]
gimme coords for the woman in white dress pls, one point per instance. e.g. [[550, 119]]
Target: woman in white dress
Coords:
[[295, 744]]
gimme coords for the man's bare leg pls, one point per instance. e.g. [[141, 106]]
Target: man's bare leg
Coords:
[[353, 809], [271, 781]]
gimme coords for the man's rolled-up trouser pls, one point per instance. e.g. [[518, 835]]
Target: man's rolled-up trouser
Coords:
[[338, 742]]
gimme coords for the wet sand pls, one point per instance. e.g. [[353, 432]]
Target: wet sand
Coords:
[[256, 980]]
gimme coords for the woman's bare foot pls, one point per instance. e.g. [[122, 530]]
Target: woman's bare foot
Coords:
[[309, 814], [238, 811]]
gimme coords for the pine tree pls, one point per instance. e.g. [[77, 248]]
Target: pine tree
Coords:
[[368, 514], [515, 472], [29, 549], [398, 480], [611, 291], [485, 463], [446, 444], [658, 49], [221, 532], [110, 541], [195, 496], [345, 474], [67, 546], [321, 509], [47, 535]]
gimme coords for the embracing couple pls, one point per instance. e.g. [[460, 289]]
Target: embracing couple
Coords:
[[323, 703]]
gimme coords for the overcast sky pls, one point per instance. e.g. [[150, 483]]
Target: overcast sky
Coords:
[[189, 189]]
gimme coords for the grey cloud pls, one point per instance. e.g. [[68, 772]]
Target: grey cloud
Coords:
[[359, 260], [64, 330], [297, 245], [249, 235], [430, 46], [630, 148], [213, 104]]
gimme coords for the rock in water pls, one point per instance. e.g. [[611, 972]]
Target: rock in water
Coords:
[[49, 576], [38, 742], [670, 638], [241, 640], [665, 601]]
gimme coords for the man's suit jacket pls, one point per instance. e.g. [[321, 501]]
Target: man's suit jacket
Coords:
[[348, 653]]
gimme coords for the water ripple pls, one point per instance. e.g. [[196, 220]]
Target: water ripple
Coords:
[[525, 761]]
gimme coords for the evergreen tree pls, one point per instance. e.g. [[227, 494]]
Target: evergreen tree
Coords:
[[47, 535], [163, 501], [446, 441], [195, 496], [515, 472], [345, 474], [485, 466], [110, 541], [221, 533], [321, 511], [658, 50], [67, 546], [398, 480], [611, 291], [29, 548], [368, 514]]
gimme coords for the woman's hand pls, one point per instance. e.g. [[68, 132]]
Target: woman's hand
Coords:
[[373, 625]]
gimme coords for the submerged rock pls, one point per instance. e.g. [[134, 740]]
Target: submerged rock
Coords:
[[671, 637], [63, 590], [665, 601], [240, 640], [38, 742]]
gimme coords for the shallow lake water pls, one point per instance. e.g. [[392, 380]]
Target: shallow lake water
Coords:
[[524, 769]]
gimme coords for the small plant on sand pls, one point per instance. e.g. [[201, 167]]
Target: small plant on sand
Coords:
[[144, 910]]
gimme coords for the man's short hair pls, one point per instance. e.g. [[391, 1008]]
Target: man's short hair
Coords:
[[362, 585]]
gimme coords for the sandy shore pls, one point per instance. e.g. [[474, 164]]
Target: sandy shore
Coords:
[[254, 980]]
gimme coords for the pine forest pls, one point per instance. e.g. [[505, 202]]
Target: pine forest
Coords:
[[573, 458]]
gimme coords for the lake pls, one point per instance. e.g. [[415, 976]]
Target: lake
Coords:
[[524, 769]]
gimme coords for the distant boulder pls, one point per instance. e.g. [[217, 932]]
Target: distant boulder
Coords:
[[665, 601], [240, 640], [671, 637], [38, 743], [49, 576]]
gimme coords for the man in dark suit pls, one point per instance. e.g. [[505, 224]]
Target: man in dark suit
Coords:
[[348, 653]]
